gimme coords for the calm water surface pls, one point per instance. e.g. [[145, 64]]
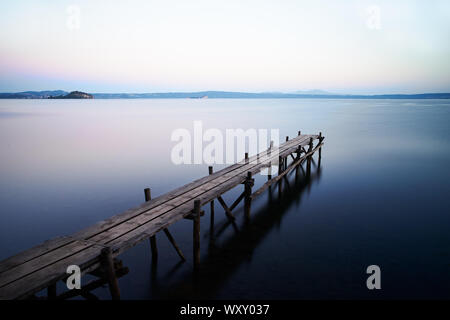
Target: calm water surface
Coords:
[[381, 195]]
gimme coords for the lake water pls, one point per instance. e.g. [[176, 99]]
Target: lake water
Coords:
[[381, 195]]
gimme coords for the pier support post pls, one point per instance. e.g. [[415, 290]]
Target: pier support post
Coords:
[[174, 244], [320, 148], [196, 230], [153, 246], [108, 266], [280, 164], [210, 170], [285, 158], [280, 170], [248, 194], [309, 159]]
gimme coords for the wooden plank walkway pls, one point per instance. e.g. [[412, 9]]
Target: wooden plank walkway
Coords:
[[27, 273]]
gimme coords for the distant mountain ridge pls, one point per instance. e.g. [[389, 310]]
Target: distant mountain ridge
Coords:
[[262, 95], [316, 94]]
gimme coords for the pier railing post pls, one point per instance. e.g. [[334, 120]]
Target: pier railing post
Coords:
[[153, 246], [196, 238], [269, 151], [108, 266], [248, 194]]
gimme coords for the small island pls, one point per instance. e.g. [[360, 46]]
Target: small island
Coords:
[[74, 95]]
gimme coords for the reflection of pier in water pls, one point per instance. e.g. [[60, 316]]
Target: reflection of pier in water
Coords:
[[222, 260]]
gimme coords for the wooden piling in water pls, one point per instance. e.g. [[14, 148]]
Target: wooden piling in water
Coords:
[[154, 248], [320, 148], [309, 159], [147, 194], [280, 164], [211, 204], [110, 273], [174, 244], [196, 233], [248, 195], [269, 171]]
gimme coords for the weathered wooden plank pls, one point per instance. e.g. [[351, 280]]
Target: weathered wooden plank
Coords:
[[34, 252], [42, 278], [42, 261], [92, 285]]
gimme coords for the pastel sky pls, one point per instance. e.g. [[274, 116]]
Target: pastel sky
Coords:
[[341, 46]]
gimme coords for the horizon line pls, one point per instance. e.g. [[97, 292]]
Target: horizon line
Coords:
[[299, 92]]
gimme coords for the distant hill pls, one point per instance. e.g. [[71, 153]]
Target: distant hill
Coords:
[[32, 94], [313, 94], [262, 95], [74, 95]]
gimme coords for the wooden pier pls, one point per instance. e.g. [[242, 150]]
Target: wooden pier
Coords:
[[96, 248]]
